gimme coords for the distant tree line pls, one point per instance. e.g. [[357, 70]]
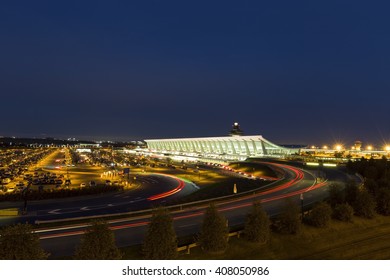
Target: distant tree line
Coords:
[[375, 192]]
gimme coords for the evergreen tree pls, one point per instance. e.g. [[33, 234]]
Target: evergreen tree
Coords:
[[17, 242], [372, 186], [343, 212], [336, 194], [160, 242], [351, 191], [98, 243], [320, 215], [364, 205], [257, 226], [289, 221], [383, 201], [214, 233]]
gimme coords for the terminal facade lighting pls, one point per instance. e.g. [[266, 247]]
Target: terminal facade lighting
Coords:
[[233, 147]]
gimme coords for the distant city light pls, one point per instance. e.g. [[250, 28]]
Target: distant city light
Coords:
[[338, 147], [369, 147], [325, 147], [387, 148]]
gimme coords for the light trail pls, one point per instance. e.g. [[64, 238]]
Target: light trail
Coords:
[[298, 177], [169, 193]]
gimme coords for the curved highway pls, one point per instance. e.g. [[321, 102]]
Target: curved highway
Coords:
[[129, 231], [149, 190]]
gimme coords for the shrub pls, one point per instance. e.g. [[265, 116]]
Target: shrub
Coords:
[[257, 226], [383, 201], [17, 242], [364, 205], [160, 242], [320, 215], [98, 243], [214, 233], [289, 221], [343, 212]]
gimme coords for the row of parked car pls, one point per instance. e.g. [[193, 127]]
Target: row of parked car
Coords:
[[14, 163]]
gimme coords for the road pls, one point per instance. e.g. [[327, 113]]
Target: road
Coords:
[[62, 241]]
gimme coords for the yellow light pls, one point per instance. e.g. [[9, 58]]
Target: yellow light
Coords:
[[338, 147], [313, 147], [330, 164], [369, 147], [387, 148], [313, 163], [325, 147]]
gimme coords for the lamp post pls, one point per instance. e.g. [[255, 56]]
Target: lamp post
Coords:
[[301, 197]]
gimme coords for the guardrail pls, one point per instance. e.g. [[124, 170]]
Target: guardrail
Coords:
[[187, 248]]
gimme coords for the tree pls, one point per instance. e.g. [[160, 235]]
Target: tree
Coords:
[[214, 233], [383, 201], [351, 191], [98, 243], [17, 242], [364, 205], [371, 172], [372, 186], [257, 226], [160, 242], [336, 194], [289, 221], [320, 215], [343, 212]]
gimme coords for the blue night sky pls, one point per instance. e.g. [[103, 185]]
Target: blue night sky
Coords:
[[296, 72]]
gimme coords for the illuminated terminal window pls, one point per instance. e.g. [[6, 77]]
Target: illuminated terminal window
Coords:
[[233, 147]]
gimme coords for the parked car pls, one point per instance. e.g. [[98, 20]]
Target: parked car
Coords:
[[6, 181]]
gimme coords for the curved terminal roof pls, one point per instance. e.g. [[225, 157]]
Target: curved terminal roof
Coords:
[[229, 146]]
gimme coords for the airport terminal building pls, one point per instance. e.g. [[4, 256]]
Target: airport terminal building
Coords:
[[225, 148], [233, 147]]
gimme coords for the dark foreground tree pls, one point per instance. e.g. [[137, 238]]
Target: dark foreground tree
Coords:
[[17, 242], [160, 242], [257, 226], [98, 243], [343, 212], [336, 194], [364, 205], [289, 221], [383, 201], [320, 215], [351, 191], [214, 234]]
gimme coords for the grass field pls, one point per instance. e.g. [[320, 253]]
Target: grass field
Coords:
[[360, 239]]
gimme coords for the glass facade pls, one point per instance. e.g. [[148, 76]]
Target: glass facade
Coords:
[[228, 147]]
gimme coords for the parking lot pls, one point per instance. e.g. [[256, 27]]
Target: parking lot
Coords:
[[18, 167]]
